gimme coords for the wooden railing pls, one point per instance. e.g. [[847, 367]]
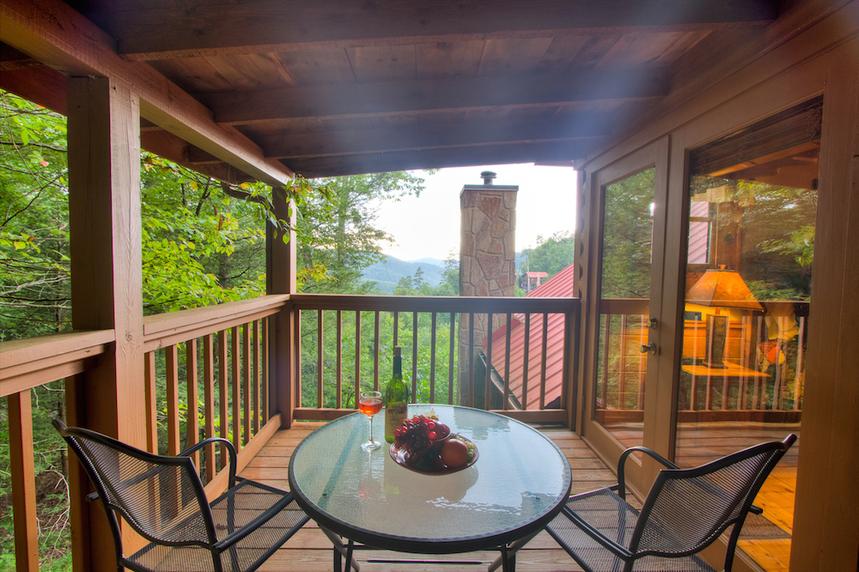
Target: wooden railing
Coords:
[[447, 342], [213, 366], [764, 351], [24, 365], [224, 350]]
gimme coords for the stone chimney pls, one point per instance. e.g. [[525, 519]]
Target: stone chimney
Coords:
[[487, 251]]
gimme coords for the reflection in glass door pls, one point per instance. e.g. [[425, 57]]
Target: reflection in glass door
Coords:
[[624, 313], [753, 203]]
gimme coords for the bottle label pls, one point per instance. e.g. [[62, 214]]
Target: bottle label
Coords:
[[395, 414]]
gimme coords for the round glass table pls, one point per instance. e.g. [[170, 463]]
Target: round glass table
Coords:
[[518, 484]]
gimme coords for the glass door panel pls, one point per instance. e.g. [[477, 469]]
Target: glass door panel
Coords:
[[752, 210], [624, 313]]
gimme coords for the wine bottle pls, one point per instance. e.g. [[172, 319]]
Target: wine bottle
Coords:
[[396, 398]]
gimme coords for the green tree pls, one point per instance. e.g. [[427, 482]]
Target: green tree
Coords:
[[337, 236], [551, 254]]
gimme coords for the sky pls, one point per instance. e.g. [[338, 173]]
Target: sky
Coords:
[[428, 226]]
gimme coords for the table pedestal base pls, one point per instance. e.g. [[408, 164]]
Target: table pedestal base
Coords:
[[506, 561]]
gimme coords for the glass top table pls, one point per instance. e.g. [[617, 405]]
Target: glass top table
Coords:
[[518, 484]]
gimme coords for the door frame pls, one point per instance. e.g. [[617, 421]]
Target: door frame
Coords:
[[656, 156]]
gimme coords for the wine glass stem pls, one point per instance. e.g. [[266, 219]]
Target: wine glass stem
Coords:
[[371, 428]]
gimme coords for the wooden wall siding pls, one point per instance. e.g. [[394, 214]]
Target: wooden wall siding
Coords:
[[811, 50]]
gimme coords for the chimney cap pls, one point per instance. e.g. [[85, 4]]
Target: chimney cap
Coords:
[[487, 177]]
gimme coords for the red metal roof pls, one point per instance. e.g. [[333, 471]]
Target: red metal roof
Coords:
[[559, 286]]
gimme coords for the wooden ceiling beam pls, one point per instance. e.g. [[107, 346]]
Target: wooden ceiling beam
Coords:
[[53, 33], [427, 133], [399, 97], [541, 152], [160, 30], [47, 87]]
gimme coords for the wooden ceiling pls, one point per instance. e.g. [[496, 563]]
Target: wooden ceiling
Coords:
[[341, 87]]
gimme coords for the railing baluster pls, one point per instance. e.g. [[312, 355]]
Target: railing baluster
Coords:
[[23, 469], [779, 367], [192, 424], [320, 339], [451, 349], [396, 328], [151, 406], [266, 408], [606, 350], [505, 398], [357, 356], [339, 364], [237, 384], [567, 363], [470, 359], [487, 382], [376, 350], [414, 357], [209, 398], [744, 361], [432, 356], [222, 394], [246, 381], [642, 361], [527, 349], [255, 385], [798, 389], [621, 377], [172, 366], [543, 361], [298, 364]]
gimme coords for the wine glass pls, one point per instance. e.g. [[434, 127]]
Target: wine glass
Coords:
[[369, 404]]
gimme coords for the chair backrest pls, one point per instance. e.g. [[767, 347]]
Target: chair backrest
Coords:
[[161, 497], [687, 509]]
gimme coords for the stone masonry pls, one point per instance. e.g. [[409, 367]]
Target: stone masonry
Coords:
[[486, 258]]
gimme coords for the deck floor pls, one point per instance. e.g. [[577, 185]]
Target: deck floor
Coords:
[[310, 550]]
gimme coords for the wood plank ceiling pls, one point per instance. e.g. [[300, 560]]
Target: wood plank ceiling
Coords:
[[341, 87]]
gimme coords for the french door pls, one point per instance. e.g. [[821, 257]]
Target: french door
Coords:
[[624, 326]]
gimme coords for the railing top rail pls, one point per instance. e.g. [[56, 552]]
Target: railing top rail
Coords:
[[175, 327], [35, 361], [462, 304]]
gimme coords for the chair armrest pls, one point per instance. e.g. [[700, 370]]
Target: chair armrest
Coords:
[[621, 464], [756, 509], [231, 450]]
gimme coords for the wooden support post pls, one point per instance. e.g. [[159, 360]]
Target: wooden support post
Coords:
[[280, 279], [104, 217]]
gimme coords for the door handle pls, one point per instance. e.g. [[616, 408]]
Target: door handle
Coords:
[[648, 348]]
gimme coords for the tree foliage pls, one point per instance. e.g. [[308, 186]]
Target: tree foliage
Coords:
[[203, 243], [552, 254]]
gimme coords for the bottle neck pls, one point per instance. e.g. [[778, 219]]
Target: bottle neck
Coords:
[[398, 367]]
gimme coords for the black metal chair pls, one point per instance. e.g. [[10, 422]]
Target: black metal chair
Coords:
[[162, 498], [684, 512]]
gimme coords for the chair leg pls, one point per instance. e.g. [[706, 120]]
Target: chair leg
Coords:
[[338, 560], [508, 560], [349, 549]]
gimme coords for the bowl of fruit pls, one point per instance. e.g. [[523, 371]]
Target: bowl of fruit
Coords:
[[426, 445]]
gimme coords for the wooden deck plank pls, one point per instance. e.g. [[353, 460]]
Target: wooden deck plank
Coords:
[[310, 549]]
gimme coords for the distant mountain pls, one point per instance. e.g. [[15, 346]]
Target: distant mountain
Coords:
[[434, 261], [388, 272]]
